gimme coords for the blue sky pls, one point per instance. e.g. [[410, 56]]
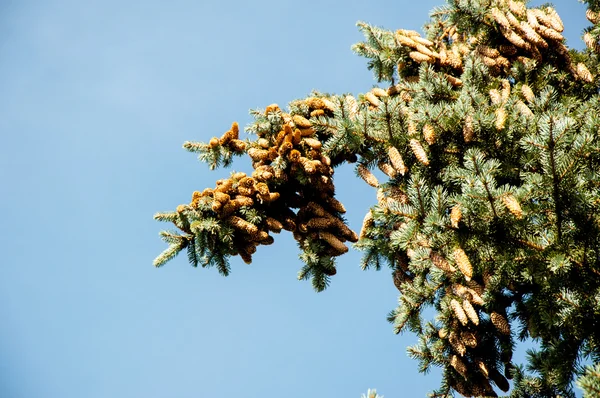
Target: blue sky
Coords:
[[97, 99]]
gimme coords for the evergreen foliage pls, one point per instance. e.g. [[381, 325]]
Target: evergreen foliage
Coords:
[[488, 130]]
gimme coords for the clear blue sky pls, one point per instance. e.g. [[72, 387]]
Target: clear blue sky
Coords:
[[96, 99]]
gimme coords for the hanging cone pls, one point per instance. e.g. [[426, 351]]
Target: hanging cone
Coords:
[[463, 263], [429, 134], [514, 22], [548, 33], [459, 366], [531, 35], [592, 16], [387, 169], [488, 51], [483, 368], [591, 42], [396, 160], [515, 39], [314, 103], [517, 7], [274, 225], [469, 339], [523, 109], [459, 312], [500, 323], [500, 18], [420, 57], [379, 92], [335, 204], [505, 93], [499, 380], [367, 223], [457, 344], [419, 152], [474, 297], [439, 261], [373, 100], [367, 176], [333, 242], [555, 22], [500, 118], [583, 73], [242, 225], [319, 223], [495, 96], [454, 81], [507, 50], [352, 106], [512, 205], [470, 311], [476, 287], [301, 122], [443, 333], [455, 216], [468, 128]]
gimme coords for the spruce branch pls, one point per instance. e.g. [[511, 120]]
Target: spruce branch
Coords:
[[489, 208]]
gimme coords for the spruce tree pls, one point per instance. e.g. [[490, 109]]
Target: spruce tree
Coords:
[[487, 128]]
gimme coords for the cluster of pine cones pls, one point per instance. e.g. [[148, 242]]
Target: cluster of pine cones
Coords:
[[527, 34], [290, 172], [465, 337], [468, 339]]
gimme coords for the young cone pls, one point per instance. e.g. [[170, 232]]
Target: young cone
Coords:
[[500, 118], [468, 129], [455, 216]]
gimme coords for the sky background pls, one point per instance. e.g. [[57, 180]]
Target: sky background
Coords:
[[96, 99]]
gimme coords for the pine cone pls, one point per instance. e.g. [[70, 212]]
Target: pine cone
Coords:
[[470, 311], [500, 323], [396, 160], [439, 261], [463, 263], [429, 134], [419, 152], [367, 176], [459, 312], [459, 366], [512, 205]]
